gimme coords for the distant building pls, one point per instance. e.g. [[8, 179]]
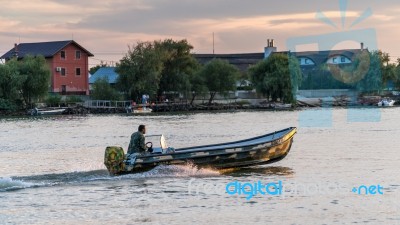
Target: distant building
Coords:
[[104, 72], [68, 61], [241, 60], [310, 61]]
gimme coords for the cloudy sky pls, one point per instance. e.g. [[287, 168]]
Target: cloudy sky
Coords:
[[107, 27]]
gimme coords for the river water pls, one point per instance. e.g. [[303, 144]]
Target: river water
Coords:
[[52, 172]]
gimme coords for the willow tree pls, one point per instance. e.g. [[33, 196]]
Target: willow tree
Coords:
[[140, 70], [25, 81], [219, 77], [10, 81], [37, 82], [178, 66], [277, 77], [198, 86], [397, 75], [371, 82], [156, 68]]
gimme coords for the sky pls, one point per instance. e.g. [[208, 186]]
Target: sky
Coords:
[[107, 27]]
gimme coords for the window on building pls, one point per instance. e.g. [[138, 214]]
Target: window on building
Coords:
[[78, 55], [343, 59], [78, 71], [63, 72], [63, 55]]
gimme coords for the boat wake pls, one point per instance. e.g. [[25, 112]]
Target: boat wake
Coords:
[[188, 170], [47, 180], [9, 184]]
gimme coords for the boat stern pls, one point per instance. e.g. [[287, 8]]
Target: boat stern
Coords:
[[114, 157]]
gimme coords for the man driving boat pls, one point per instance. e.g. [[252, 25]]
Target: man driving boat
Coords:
[[137, 144]]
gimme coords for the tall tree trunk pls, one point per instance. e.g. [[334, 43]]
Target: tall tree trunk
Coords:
[[212, 95], [193, 97]]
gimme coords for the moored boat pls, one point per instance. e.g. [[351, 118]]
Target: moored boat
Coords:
[[38, 112], [142, 110], [264, 149], [386, 102]]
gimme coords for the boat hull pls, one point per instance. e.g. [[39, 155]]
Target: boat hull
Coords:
[[36, 112], [218, 157]]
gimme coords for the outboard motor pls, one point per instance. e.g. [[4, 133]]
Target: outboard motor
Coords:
[[114, 159]]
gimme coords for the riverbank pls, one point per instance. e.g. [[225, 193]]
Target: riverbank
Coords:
[[302, 103]]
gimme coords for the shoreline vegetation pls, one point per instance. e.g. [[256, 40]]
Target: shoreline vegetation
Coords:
[[242, 105]]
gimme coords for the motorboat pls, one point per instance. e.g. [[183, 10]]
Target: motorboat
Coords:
[[263, 149]]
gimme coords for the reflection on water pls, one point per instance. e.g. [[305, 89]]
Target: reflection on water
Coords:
[[259, 170], [55, 167]]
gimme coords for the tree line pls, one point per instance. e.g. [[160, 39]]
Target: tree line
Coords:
[[23, 82], [168, 67]]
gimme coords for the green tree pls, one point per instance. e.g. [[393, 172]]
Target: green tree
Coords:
[[140, 70], [396, 70], [388, 74], [10, 81], [102, 90], [37, 81], [397, 75], [220, 77], [23, 82], [178, 65], [388, 69], [278, 76], [372, 81], [198, 86], [384, 57], [10, 85]]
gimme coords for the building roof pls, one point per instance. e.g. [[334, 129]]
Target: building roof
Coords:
[[241, 60], [320, 57], [105, 72], [47, 49], [244, 60]]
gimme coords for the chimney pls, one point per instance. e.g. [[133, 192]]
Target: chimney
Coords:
[[16, 50], [270, 48], [362, 46]]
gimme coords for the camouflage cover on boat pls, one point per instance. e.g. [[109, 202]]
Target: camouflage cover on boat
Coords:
[[114, 159]]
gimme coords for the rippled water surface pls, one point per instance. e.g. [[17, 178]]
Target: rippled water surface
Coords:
[[52, 172]]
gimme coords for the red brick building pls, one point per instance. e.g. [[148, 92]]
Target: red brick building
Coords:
[[68, 61]]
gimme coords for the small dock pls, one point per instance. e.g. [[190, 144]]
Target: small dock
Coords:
[[104, 106]]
